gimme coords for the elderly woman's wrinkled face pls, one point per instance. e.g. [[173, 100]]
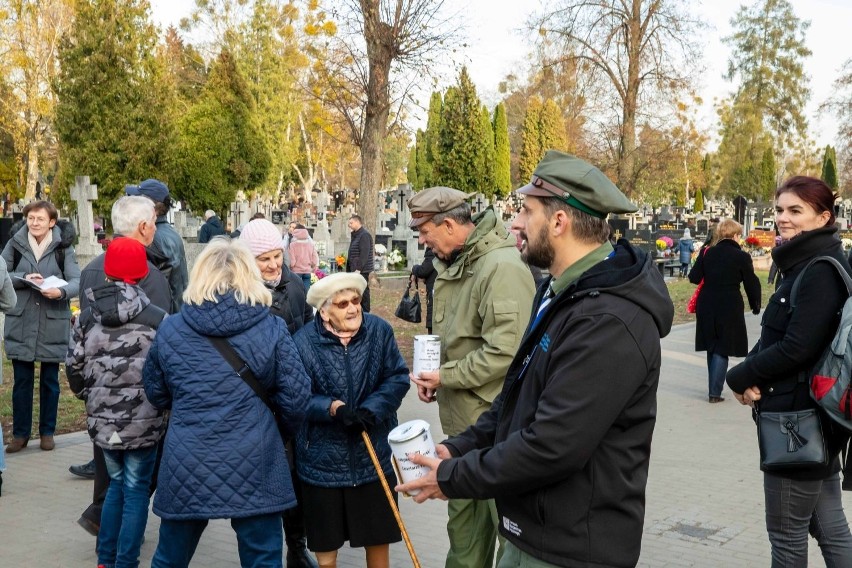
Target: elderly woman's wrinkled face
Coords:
[[343, 312], [39, 223], [270, 263]]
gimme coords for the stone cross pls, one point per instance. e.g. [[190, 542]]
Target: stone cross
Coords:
[[84, 193], [481, 202]]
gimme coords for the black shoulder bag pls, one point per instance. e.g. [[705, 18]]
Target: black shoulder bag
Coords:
[[224, 347], [409, 306]]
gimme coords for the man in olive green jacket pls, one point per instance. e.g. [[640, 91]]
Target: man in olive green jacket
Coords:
[[481, 301]]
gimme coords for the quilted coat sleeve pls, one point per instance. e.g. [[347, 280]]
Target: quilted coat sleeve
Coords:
[[154, 378], [293, 387], [385, 400], [71, 270]]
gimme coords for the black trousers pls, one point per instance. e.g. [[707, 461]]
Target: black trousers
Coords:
[[365, 297]]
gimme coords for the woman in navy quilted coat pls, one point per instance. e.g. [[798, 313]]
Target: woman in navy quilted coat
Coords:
[[223, 456], [358, 381]]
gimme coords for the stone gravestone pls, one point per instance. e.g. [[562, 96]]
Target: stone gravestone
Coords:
[[403, 236], [478, 203], [323, 241], [87, 246]]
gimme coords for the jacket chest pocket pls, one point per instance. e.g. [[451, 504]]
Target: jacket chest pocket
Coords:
[[438, 310], [777, 313]]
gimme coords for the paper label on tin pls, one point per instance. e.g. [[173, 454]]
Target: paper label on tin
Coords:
[[427, 354]]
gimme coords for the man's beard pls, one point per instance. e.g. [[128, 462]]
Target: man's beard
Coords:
[[542, 253]]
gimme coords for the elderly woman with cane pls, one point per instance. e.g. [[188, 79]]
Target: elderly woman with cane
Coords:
[[358, 381]]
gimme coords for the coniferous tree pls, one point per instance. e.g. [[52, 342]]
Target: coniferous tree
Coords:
[[531, 150], [411, 170], [431, 146], [221, 149], [502, 152], [489, 183], [698, 206], [551, 129], [829, 167], [767, 175], [424, 168], [111, 96], [460, 138]]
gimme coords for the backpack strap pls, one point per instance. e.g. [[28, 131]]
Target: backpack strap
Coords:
[[60, 259], [847, 280]]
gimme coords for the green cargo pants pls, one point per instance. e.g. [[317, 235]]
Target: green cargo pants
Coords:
[[472, 528]]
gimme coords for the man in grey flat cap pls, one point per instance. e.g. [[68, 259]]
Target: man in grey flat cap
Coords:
[[565, 447], [481, 297]]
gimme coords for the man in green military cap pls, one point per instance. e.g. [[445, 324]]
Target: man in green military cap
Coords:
[[482, 295], [565, 447]]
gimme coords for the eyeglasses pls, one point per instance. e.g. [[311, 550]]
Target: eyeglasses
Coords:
[[345, 303]]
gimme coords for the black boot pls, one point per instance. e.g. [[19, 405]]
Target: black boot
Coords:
[[1, 482], [297, 543]]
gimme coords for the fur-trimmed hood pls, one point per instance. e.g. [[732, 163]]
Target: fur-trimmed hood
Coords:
[[67, 232]]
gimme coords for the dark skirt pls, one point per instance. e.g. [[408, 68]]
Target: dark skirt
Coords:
[[361, 515]]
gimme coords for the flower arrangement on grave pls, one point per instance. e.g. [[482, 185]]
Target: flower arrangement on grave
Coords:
[[847, 243], [396, 258], [323, 265], [340, 259]]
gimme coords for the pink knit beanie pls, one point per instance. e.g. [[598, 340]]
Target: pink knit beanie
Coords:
[[261, 236]]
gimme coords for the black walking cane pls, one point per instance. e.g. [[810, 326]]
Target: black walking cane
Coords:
[[389, 495]]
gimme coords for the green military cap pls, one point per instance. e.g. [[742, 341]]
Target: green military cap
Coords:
[[577, 183], [427, 203]]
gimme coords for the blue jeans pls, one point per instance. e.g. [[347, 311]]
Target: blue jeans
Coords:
[[260, 541], [125, 511], [795, 508], [306, 280], [22, 398], [717, 367]]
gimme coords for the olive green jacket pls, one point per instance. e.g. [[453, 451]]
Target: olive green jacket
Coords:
[[481, 305]]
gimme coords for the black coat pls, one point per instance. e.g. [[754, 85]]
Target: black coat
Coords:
[[426, 271], [288, 301], [721, 325], [360, 257], [211, 228], [565, 447], [791, 342]]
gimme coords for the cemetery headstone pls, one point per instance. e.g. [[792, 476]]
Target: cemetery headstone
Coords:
[[84, 194]]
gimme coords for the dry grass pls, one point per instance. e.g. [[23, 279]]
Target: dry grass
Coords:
[[384, 298]]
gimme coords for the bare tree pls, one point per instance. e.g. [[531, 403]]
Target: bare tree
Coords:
[[384, 49], [644, 51], [840, 105]]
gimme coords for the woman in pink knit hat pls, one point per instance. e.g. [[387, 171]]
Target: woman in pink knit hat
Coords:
[[303, 256], [288, 302]]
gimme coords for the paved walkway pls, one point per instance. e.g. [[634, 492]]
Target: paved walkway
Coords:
[[704, 502]]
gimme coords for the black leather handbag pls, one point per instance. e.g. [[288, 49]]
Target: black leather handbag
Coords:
[[409, 306], [790, 440]]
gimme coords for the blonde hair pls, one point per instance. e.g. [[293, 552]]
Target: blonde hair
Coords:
[[223, 266], [727, 229]]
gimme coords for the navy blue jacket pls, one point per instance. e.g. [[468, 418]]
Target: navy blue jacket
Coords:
[[368, 373], [223, 455]]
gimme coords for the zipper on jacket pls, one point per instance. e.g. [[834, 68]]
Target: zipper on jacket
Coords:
[[351, 395]]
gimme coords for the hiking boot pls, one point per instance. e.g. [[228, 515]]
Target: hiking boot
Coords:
[[46, 443], [86, 470], [16, 445]]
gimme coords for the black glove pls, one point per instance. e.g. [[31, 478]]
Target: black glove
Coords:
[[349, 418], [366, 418]]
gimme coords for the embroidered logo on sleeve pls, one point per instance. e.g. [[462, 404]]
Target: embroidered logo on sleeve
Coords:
[[511, 526]]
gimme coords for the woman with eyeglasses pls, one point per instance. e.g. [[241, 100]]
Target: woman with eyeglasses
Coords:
[[358, 381]]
